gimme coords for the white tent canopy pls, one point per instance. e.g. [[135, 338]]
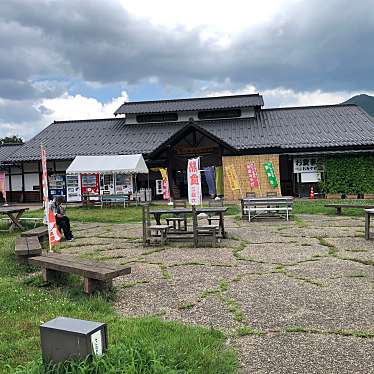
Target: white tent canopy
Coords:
[[120, 164]]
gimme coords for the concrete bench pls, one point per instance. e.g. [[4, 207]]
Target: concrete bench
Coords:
[[96, 275], [339, 207], [27, 247], [40, 232]]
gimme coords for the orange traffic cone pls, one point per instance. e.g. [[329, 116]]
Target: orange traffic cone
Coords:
[[311, 193]]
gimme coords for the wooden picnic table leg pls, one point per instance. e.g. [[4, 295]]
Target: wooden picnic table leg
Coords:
[[158, 218], [222, 224], [15, 221], [367, 226]]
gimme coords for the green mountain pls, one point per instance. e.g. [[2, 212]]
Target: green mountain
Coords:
[[366, 102]]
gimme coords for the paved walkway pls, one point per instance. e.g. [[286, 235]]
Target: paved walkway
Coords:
[[293, 297]]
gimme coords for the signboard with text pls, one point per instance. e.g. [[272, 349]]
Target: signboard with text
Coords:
[[252, 175], [194, 181]]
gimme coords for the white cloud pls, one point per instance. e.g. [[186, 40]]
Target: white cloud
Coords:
[[68, 107], [65, 107], [217, 21], [281, 97]]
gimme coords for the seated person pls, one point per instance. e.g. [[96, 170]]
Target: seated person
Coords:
[[62, 221]]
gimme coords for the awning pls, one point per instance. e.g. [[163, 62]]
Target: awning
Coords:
[[121, 164]]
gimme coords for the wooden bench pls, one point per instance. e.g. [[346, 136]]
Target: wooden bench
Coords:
[[267, 206], [27, 247], [96, 275], [158, 231], [368, 214], [339, 207], [207, 233], [40, 232], [114, 199]]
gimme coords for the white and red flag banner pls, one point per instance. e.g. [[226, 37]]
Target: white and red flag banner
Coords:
[[165, 183], [2, 185], [194, 181], [252, 175], [53, 232]]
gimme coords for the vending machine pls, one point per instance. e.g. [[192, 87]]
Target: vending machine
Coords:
[[57, 185], [90, 184], [124, 184], [107, 184], [73, 188]]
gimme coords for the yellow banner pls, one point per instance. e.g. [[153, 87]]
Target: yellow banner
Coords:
[[233, 178]]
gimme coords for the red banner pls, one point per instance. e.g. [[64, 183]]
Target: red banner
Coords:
[[2, 185], [194, 181], [252, 175], [53, 232]]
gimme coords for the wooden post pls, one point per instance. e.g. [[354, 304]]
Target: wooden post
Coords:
[[194, 226], [367, 225], [145, 213]]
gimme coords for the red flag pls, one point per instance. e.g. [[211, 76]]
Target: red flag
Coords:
[[53, 231]]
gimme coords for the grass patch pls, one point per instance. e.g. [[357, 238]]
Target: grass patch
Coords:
[[246, 331], [318, 207], [137, 345]]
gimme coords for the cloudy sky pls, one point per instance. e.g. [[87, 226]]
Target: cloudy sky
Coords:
[[73, 59]]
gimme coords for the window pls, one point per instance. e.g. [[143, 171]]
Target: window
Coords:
[[157, 117], [213, 114]]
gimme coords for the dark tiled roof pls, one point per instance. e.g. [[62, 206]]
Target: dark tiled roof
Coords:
[[282, 128], [299, 127], [7, 149], [203, 103], [66, 139]]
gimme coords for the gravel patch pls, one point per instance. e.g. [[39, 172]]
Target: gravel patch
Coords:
[[277, 302], [296, 353], [285, 253]]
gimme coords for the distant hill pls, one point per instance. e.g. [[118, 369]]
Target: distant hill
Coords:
[[366, 102]]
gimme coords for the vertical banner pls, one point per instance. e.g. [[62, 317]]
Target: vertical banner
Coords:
[[252, 175], [210, 178], [194, 181], [165, 183], [233, 178], [269, 170], [2, 186], [219, 180], [53, 232]]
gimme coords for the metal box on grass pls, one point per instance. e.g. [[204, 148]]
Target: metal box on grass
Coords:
[[68, 339]]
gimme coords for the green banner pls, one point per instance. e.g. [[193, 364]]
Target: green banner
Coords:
[[269, 170]]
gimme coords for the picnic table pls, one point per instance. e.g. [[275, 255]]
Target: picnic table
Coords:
[[368, 214], [266, 206], [14, 214], [219, 211]]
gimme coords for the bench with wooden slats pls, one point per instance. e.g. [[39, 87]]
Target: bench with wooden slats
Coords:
[[96, 275], [339, 207], [40, 232], [27, 247]]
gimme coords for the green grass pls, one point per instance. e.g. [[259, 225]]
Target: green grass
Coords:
[[134, 214], [318, 207], [137, 345]]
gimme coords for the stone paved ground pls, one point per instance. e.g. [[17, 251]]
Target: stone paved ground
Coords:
[[294, 297]]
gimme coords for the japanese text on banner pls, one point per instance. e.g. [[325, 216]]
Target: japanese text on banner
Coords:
[[194, 181], [269, 170], [233, 178], [165, 183], [252, 175]]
